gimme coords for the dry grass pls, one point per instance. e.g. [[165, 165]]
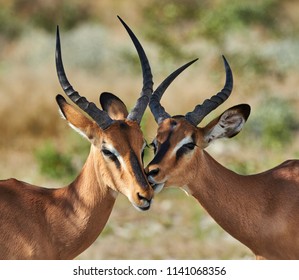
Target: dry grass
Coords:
[[176, 227]]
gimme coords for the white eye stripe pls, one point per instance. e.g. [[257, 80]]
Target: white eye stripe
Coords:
[[111, 149], [183, 142], [117, 154]]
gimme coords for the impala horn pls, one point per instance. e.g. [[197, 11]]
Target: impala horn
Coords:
[[157, 109], [99, 116], [147, 89], [200, 111]]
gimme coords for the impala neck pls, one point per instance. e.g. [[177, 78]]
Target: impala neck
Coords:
[[86, 205], [230, 199]]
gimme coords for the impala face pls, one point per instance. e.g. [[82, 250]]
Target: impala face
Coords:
[[179, 144], [121, 162], [174, 147], [117, 152]]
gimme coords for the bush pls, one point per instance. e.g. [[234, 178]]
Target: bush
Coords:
[[10, 26], [53, 163], [229, 15], [273, 123]]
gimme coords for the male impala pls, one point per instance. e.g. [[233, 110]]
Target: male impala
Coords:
[[40, 223], [261, 210]]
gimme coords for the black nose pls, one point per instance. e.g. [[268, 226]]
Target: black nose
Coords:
[[146, 202], [141, 197], [153, 172]]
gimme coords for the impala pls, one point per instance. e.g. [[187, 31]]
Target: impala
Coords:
[[260, 210], [41, 223]]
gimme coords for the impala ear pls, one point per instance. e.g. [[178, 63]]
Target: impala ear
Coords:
[[115, 108], [228, 124], [77, 120]]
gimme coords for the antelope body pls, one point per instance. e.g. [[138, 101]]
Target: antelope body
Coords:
[[260, 210], [40, 223]]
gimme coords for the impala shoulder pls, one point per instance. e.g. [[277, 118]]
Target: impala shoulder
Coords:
[[291, 164], [10, 182], [13, 185], [9, 189], [288, 169]]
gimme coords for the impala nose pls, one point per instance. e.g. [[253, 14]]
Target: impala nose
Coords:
[[145, 202]]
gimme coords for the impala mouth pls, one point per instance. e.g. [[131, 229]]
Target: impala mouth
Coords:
[[157, 187], [143, 208], [143, 204], [146, 205]]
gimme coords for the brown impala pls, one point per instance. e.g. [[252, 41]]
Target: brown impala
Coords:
[[260, 210], [40, 223]]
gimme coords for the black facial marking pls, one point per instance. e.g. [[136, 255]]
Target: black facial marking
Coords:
[[163, 150], [137, 170], [186, 148], [123, 125], [181, 151], [173, 123], [193, 137], [111, 157], [117, 163]]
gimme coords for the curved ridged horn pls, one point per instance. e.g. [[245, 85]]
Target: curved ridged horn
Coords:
[[147, 89], [99, 116], [157, 109], [200, 111]]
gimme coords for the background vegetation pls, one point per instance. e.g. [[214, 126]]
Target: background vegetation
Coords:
[[259, 38]]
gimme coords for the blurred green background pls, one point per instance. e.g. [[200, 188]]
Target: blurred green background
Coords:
[[260, 39]]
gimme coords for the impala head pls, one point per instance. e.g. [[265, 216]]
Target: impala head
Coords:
[[116, 138], [179, 143]]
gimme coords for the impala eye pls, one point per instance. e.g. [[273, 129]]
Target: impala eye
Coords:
[[189, 146], [185, 149], [109, 154]]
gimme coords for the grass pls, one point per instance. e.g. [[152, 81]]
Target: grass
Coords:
[[176, 227]]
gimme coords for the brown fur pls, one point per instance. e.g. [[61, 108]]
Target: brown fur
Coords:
[[260, 210], [40, 223]]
